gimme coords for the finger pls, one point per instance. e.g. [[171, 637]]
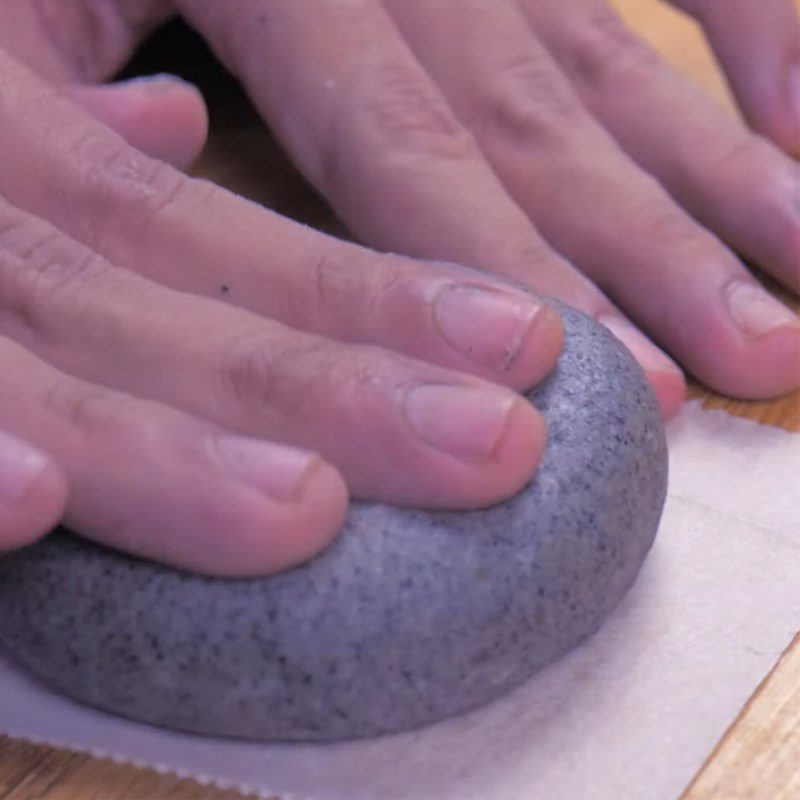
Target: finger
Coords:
[[758, 45], [85, 42], [160, 115], [154, 482], [77, 45], [735, 183], [359, 115], [669, 274], [200, 238], [32, 493], [368, 128], [444, 439]]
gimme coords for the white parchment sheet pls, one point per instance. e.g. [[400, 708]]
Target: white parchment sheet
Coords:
[[631, 714]]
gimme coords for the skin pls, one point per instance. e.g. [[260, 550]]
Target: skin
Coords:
[[535, 139], [136, 408]]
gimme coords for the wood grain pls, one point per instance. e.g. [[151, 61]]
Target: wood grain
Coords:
[[759, 756], [32, 772]]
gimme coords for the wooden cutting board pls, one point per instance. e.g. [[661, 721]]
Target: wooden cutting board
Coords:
[[759, 756]]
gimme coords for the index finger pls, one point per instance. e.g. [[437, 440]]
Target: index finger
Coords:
[[197, 237]]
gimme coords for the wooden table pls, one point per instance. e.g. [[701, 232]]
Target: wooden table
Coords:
[[759, 756]]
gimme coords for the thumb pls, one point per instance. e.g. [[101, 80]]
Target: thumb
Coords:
[[160, 115]]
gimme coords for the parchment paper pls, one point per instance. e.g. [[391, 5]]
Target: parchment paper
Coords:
[[631, 714]]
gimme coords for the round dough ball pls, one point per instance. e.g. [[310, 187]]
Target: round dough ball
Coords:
[[409, 617]]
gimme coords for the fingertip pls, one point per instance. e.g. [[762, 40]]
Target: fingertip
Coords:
[[753, 347], [540, 351], [506, 336], [517, 454], [26, 518], [670, 391], [473, 446], [785, 355], [322, 508], [758, 369], [279, 522], [161, 115]]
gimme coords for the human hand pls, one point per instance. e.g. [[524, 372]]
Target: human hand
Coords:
[[450, 130], [179, 427]]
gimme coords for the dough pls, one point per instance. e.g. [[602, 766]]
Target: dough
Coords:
[[409, 617]]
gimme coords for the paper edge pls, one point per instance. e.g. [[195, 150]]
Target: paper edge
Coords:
[[202, 779]]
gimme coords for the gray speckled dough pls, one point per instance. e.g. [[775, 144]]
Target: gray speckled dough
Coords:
[[408, 618]]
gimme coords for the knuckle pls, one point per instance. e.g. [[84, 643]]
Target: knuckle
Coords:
[[363, 381], [262, 375], [82, 406], [530, 103], [123, 188], [740, 152], [352, 378], [44, 276], [392, 274], [246, 374], [408, 117], [341, 274], [606, 54], [264, 378], [96, 412], [678, 242], [667, 222], [336, 276], [529, 259], [21, 235], [83, 33]]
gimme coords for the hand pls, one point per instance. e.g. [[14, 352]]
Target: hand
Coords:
[[497, 132], [182, 428]]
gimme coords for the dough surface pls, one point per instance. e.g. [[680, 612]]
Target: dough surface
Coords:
[[409, 617]]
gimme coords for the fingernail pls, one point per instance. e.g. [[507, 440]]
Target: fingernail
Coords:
[[463, 421], [20, 468], [487, 326], [160, 83], [275, 470], [643, 350], [756, 312]]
